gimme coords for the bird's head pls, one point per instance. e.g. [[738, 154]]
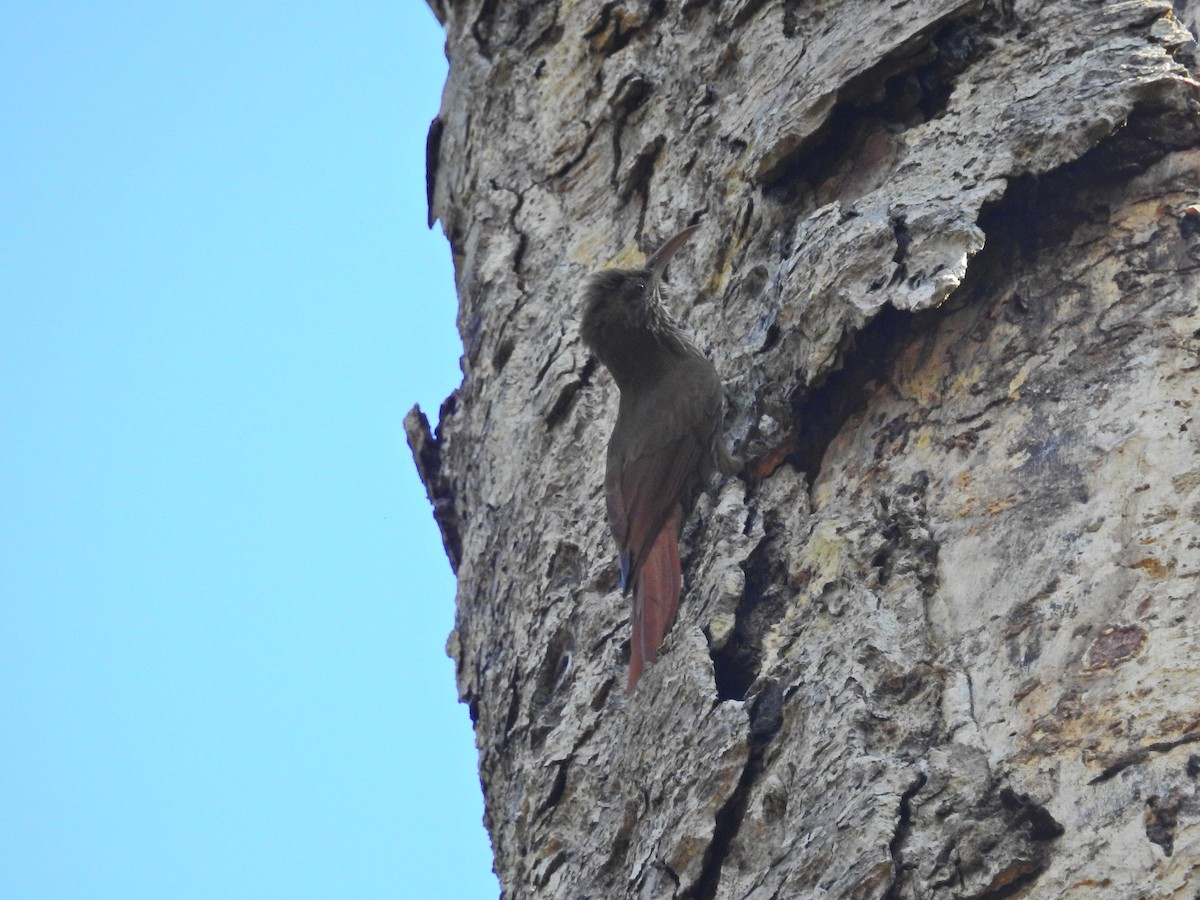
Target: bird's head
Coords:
[[617, 302]]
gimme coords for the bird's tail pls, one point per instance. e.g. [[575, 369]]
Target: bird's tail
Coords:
[[655, 598]]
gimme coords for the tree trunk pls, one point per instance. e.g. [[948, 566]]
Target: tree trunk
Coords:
[[939, 637]]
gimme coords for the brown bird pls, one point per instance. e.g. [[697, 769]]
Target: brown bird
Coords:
[[666, 443]]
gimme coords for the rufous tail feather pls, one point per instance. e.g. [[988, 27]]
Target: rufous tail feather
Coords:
[[655, 599]]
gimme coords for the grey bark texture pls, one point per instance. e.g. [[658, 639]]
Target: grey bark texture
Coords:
[[940, 636]]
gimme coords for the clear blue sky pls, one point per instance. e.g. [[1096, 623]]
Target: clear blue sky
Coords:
[[224, 602]]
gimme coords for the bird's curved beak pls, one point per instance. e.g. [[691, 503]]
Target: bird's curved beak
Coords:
[[657, 263]]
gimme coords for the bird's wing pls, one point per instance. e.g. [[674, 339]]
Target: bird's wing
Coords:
[[640, 497], [642, 488]]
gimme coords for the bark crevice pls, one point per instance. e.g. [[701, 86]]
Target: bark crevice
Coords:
[[903, 827], [1141, 754], [766, 716], [737, 659]]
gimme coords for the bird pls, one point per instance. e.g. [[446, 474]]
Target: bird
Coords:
[[666, 443]]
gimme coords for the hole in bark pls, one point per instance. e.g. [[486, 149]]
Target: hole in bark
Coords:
[[566, 397], [891, 97], [823, 411], [630, 93], [562, 403], [903, 238], [502, 354], [522, 246], [1042, 825], [641, 170], [628, 96], [752, 284], [1189, 225], [553, 669], [556, 789], [736, 663], [1039, 213], [771, 339]]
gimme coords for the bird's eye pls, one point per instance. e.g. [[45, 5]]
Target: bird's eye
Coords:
[[641, 285]]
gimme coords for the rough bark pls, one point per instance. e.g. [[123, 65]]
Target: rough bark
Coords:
[[939, 638]]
